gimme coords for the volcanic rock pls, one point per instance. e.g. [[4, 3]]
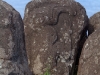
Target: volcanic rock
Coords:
[[89, 63], [90, 58], [13, 59], [94, 22], [53, 31]]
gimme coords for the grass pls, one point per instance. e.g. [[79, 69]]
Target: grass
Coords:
[[47, 72]]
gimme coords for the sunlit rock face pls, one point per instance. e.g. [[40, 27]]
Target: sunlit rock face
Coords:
[[89, 63], [13, 59], [53, 31]]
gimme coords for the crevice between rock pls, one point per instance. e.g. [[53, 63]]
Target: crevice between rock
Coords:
[[80, 44]]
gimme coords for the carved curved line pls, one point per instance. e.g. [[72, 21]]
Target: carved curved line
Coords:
[[57, 10], [54, 13]]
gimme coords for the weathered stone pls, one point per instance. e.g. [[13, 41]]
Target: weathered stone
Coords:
[[53, 30], [90, 58], [94, 22], [13, 59]]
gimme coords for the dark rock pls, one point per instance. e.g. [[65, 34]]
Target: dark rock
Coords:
[[53, 31], [90, 57], [94, 22], [13, 59]]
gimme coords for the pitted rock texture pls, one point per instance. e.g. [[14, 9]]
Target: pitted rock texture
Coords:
[[89, 63], [94, 22], [53, 30], [90, 58], [13, 59]]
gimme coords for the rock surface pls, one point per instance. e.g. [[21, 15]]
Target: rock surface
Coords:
[[53, 31], [94, 22], [90, 58], [13, 59]]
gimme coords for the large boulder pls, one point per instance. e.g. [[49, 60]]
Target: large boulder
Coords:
[[89, 63], [13, 59], [90, 58], [94, 22], [53, 31]]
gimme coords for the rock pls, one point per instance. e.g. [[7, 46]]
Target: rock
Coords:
[[94, 22], [53, 31], [13, 59], [90, 57]]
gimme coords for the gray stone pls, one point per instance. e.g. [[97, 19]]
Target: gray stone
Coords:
[[53, 30], [89, 63], [13, 59], [90, 58], [94, 22]]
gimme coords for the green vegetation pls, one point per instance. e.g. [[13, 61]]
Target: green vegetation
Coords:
[[47, 72]]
